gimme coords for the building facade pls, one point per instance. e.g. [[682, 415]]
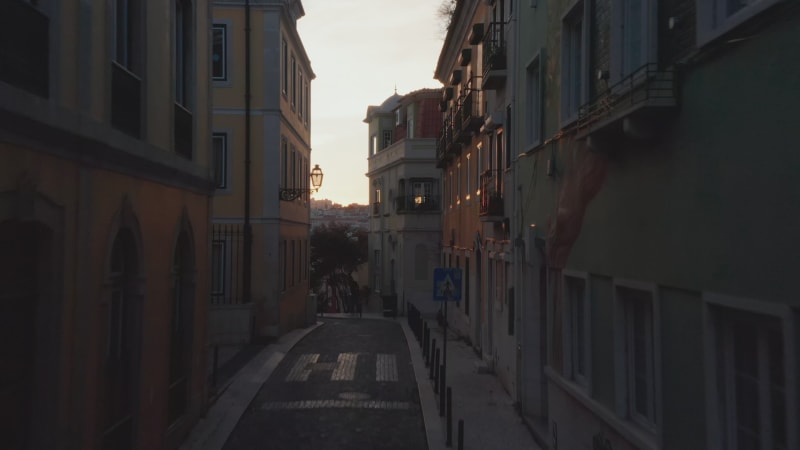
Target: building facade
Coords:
[[629, 177], [404, 216], [105, 190], [274, 129]]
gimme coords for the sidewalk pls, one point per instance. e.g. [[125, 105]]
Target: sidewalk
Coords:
[[490, 420], [211, 432]]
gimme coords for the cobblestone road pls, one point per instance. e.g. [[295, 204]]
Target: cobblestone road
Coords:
[[347, 385]]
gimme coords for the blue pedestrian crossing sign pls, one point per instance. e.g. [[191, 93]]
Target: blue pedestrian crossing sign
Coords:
[[447, 284]]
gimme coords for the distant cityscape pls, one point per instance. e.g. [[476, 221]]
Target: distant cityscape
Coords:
[[327, 211]]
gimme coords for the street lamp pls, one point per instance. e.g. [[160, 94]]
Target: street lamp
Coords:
[[290, 194]]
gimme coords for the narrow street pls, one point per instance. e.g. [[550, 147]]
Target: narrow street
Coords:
[[347, 385]]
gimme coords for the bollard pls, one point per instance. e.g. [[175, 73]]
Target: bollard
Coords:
[[449, 441], [460, 434], [442, 390], [436, 372]]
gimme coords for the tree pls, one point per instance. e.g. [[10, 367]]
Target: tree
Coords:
[[336, 249], [445, 13]]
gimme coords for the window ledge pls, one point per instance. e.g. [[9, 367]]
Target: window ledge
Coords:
[[628, 430]]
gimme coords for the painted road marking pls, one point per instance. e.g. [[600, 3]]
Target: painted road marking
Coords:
[[301, 369], [346, 369], [352, 404], [386, 367]]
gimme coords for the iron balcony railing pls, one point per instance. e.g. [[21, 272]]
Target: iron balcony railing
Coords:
[[24, 47], [183, 131], [444, 147], [491, 194], [416, 203], [646, 86], [468, 116], [126, 100], [494, 48]]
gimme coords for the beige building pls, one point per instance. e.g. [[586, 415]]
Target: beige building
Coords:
[[273, 74], [105, 190]]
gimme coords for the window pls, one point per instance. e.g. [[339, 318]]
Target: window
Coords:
[[636, 354], [285, 64], [511, 311], [300, 103], [373, 144], [307, 108], [576, 329], [183, 47], [466, 286], [410, 124], [125, 34], [716, 17], [468, 176], [573, 63], [285, 163], [479, 152], [376, 201], [293, 169], [458, 184], [293, 263], [387, 138], [284, 264], [422, 192], [533, 102], [219, 53], [632, 35], [181, 329], [376, 264], [220, 147], [218, 270], [294, 82], [750, 381]]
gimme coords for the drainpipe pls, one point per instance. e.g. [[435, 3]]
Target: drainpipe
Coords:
[[248, 232]]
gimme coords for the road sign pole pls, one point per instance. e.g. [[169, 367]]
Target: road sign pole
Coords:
[[444, 344]]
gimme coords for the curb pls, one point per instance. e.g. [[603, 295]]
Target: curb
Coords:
[[434, 431], [213, 430]]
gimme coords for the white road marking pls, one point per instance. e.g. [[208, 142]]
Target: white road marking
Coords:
[[346, 368], [301, 369], [320, 404], [386, 367]]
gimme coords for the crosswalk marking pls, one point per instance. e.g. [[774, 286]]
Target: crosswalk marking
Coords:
[[386, 367], [346, 369], [301, 369], [319, 404]]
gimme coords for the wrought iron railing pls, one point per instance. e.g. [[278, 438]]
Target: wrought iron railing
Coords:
[[24, 47], [183, 131], [227, 243], [416, 203], [494, 47], [469, 117], [126, 100], [647, 84], [491, 193]]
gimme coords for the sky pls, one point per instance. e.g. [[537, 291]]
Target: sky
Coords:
[[360, 50]]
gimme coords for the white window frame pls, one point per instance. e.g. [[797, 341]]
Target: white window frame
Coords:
[[619, 50], [225, 54], [714, 322], [570, 324], [624, 389], [712, 23], [387, 138], [224, 170], [570, 75], [534, 87]]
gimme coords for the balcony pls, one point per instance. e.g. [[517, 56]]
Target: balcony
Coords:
[[447, 147], [416, 204], [24, 47], [183, 131], [126, 101], [467, 118], [639, 100], [376, 208], [491, 209], [494, 57]]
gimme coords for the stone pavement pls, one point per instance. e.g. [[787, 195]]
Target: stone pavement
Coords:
[[490, 420]]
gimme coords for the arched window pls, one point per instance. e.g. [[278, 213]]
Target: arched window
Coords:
[[121, 344], [181, 327]]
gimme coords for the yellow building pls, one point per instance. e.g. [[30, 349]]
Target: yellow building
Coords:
[[261, 97], [105, 194]]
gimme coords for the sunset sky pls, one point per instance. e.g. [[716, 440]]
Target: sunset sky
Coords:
[[360, 50]]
